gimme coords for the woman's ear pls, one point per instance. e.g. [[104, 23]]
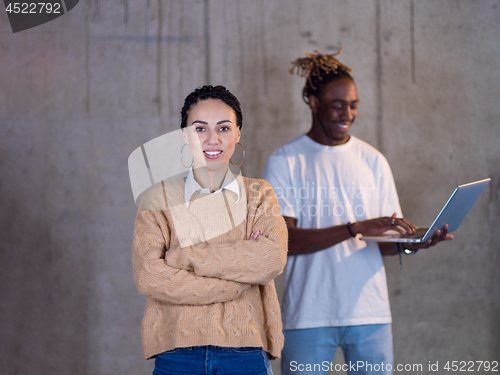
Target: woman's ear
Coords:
[[185, 136], [238, 136]]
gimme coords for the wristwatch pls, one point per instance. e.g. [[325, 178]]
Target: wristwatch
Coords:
[[402, 249]]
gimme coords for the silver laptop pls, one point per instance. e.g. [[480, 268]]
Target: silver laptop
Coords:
[[453, 213]]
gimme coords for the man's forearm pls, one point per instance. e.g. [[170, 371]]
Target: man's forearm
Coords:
[[307, 241]]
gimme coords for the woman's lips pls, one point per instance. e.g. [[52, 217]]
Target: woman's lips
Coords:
[[212, 154]]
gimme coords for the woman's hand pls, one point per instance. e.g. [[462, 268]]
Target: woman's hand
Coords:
[[254, 235]]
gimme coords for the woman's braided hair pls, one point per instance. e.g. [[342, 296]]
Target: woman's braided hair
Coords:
[[319, 70], [211, 92]]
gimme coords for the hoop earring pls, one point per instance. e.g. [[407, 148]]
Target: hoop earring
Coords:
[[243, 155], [182, 161]]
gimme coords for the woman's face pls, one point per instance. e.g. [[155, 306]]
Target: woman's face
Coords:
[[211, 133]]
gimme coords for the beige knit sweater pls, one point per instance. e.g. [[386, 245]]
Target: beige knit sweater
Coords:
[[218, 290]]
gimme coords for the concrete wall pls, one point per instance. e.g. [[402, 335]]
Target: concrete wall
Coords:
[[80, 93]]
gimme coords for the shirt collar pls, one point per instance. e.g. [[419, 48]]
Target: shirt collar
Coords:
[[192, 186]]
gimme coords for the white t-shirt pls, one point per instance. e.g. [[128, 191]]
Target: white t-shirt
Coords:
[[323, 186]]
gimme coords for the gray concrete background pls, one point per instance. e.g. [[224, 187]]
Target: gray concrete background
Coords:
[[80, 93]]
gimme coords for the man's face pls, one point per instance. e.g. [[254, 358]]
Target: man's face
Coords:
[[334, 112]]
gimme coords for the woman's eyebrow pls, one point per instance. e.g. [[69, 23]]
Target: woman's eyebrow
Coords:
[[199, 122], [206, 123]]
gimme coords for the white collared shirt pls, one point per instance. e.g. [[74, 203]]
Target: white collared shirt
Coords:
[[192, 186]]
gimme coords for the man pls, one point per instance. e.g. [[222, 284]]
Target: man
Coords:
[[331, 187]]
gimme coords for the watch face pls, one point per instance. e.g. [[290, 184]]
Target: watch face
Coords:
[[408, 251]]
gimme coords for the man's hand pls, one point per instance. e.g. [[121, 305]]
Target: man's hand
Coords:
[[439, 235], [374, 227]]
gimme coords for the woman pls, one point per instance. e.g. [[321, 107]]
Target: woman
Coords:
[[207, 262]]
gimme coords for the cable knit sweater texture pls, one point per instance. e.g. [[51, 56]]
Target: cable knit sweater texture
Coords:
[[219, 289]]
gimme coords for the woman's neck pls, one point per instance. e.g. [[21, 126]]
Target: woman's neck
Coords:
[[210, 178]]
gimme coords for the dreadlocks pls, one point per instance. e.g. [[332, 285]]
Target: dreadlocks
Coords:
[[319, 70]]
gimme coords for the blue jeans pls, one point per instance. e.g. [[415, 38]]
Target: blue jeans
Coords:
[[367, 350], [213, 360]]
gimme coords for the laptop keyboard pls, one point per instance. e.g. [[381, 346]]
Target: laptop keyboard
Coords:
[[419, 233]]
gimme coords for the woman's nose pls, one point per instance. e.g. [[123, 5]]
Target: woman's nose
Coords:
[[213, 137]]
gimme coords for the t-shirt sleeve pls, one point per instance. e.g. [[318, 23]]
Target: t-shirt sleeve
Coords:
[[389, 200], [277, 173]]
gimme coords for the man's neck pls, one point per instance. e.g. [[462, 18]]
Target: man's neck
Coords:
[[324, 140]]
